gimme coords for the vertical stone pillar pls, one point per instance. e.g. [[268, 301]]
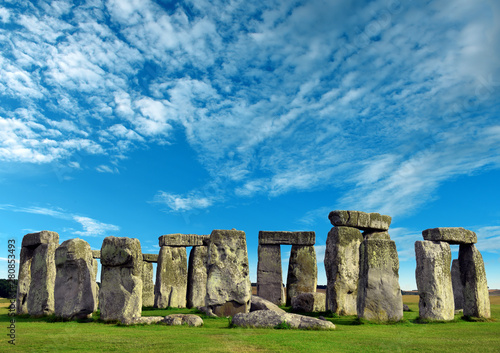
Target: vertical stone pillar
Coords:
[[269, 277], [342, 270], [302, 272], [458, 287], [434, 280], [229, 289], [75, 285], [379, 294], [37, 274], [197, 277], [148, 287], [473, 275], [95, 265], [120, 297], [171, 278]]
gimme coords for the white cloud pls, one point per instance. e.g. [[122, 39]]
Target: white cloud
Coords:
[[91, 227], [107, 169], [179, 203]]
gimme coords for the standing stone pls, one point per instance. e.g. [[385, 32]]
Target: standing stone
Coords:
[[75, 285], [342, 270], [379, 295], [197, 277], [302, 272], [269, 277], [434, 280], [148, 287], [120, 297], [24, 280], [473, 275], [229, 289], [171, 278], [96, 264], [458, 287], [309, 302]]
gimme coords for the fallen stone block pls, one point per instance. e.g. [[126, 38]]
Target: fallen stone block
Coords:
[[271, 319], [286, 238], [309, 302], [259, 303], [183, 319], [183, 240], [360, 220], [145, 320], [451, 235]]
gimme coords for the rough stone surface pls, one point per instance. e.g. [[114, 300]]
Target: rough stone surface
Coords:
[[458, 287], [309, 302], [95, 265], [147, 320], [75, 285], [183, 240], [197, 277], [148, 287], [183, 319], [269, 276], [259, 303], [379, 294], [120, 296], [171, 278], [302, 272], [406, 307], [150, 257], [360, 220], [270, 318], [376, 235], [96, 254], [342, 269], [228, 284], [434, 280], [37, 274], [473, 276], [287, 238], [451, 235]]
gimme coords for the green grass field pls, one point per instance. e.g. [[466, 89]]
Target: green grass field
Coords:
[[41, 335]]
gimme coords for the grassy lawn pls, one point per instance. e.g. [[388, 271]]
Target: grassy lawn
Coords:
[[41, 335]]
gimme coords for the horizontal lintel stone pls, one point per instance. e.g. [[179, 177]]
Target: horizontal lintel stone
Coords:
[[183, 240], [360, 220], [43, 237], [150, 257], [286, 238], [451, 235]]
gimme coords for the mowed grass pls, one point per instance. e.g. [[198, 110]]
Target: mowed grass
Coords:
[[41, 335]]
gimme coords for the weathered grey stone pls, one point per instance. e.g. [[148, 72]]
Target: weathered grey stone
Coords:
[[458, 287], [302, 272], [287, 238], [360, 220], [451, 235], [259, 303], [148, 287], [434, 280], [376, 235], [96, 254], [24, 280], [183, 240], [146, 320], [95, 265], [120, 296], [183, 319], [406, 307], [473, 275], [197, 277], [32, 240], [379, 295], [171, 278], [270, 318], [269, 277], [75, 285], [342, 269], [150, 257], [309, 302], [228, 284]]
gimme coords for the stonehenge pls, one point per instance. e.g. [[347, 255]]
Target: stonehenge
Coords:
[[302, 270], [439, 286]]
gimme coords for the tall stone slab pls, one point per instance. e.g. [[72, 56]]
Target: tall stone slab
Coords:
[[342, 270], [458, 287], [197, 277], [37, 274], [379, 294], [229, 289], [302, 272], [171, 278], [434, 280], [94, 276], [120, 296], [148, 287], [75, 285], [473, 276], [269, 276]]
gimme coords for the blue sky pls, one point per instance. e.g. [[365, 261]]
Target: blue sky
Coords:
[[142, 118]]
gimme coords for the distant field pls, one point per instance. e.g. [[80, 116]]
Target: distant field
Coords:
[[41, 335]]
